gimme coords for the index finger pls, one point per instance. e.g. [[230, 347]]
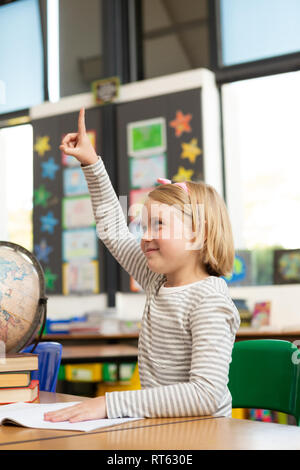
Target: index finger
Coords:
[[81, 122]]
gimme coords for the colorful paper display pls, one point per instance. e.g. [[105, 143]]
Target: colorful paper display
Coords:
[[74, 182], [65, 239], [79, 244], [81, 277], [143, 172], [147, 137], [287, 266], [77, 212]]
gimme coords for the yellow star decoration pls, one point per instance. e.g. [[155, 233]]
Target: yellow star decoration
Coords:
[[42, 145], [183, 175], [190, 150]]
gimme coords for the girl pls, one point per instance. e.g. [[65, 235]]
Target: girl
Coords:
[[189, 321]]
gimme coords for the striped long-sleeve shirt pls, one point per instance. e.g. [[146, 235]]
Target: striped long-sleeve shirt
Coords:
[[187, 332]]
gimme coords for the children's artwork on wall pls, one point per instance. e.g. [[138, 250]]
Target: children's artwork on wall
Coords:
[[190, 150], [181, 123], [182, 174], [168, 125], [242, 273], [143, 172], [48, 223], [42, 251], [62, 205], [49, 168], [77, 212], [287, 266], [147, 137], [41, 196], [261, 314], [74, 182], [244, 311], [50, 280], [42, 145], [81, 277], [106, 90], [79, 244]]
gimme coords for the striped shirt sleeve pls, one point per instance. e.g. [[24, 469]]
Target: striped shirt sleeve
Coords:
[[213, 328], [112, 227]]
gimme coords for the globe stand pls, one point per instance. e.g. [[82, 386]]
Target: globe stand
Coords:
[[42, 303]]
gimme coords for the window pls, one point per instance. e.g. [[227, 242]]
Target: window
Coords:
[[175, 36], [262, 163], [16, 169], [258, 29], [21, 56]]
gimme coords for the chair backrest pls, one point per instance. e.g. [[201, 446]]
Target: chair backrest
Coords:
[[265, 374], [49, 353]]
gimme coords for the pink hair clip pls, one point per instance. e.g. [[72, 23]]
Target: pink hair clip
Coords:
[[166, 181]]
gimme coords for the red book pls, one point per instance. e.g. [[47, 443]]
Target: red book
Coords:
[[20, 394]]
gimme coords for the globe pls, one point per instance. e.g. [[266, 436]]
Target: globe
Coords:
[[22, 299]]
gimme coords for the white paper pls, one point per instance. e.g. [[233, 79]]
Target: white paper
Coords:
[[31, 415]]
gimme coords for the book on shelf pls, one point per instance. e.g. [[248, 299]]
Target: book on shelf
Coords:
[[19, 362], [14, 379], [20, 394]]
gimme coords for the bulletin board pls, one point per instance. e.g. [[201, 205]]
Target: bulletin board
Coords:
[[64, 236], [160, 136]]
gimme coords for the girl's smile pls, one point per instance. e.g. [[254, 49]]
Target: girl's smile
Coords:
[[149, 251]]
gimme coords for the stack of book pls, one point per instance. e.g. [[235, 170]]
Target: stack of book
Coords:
[[15, 378]]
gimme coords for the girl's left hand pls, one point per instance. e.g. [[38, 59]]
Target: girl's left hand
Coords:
[[94, 408]]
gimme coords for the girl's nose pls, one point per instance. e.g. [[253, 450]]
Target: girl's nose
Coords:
[[146, 234]]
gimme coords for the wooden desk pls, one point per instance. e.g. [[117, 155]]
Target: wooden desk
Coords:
[[99, 353], [151, 434], [92, 338], [15, 434]]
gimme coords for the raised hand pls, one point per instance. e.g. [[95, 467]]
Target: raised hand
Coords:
[[78, 143]]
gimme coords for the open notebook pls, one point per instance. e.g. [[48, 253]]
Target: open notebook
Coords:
[[31, 415]]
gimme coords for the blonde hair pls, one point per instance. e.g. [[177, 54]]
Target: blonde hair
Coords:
[[217, 252]]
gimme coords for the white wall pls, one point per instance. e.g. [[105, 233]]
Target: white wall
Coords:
[[285, 302]]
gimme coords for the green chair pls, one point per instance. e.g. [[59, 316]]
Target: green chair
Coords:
[[265, 374]]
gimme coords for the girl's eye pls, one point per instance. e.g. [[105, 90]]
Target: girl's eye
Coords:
[[155, 224]]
